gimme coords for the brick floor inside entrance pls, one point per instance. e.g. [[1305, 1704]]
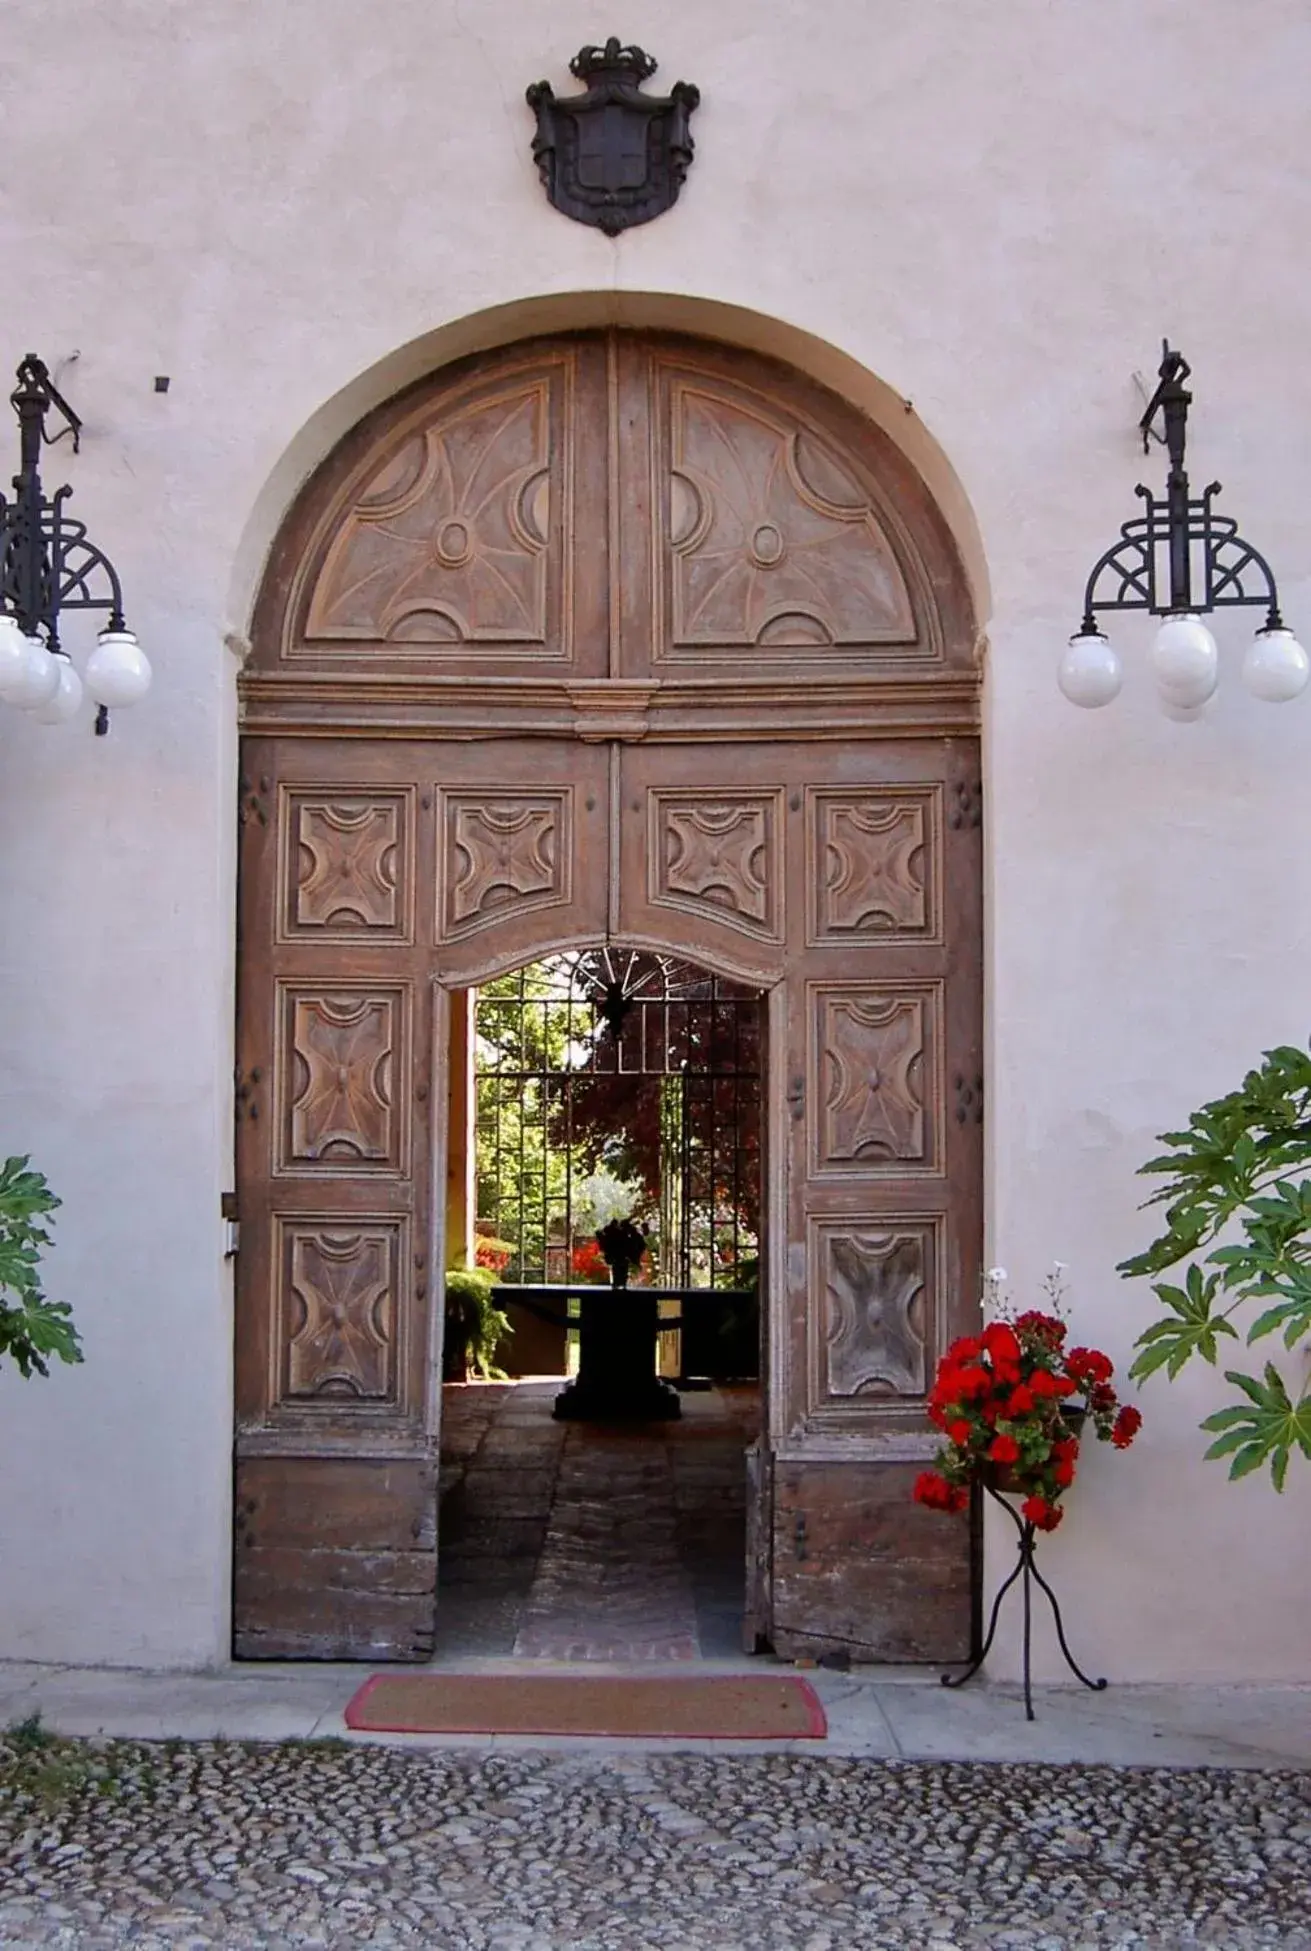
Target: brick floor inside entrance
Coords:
[[577, 1541]]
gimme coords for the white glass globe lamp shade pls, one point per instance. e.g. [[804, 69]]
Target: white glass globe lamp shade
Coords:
[[1185, 660], [39, 679], [67, 694], [1089, 674], [1276, 667], [13, 655], [117, 671]]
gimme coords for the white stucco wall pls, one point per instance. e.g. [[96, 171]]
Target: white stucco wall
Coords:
[[997, 211]]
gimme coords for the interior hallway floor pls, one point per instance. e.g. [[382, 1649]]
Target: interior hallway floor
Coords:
[[586, 1541]]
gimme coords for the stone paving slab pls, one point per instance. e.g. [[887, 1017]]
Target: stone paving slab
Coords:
[[1276, 1721], [988, 1723], [241, 1705]]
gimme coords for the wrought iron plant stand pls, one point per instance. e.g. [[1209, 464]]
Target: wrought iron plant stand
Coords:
[[1026, 1571]]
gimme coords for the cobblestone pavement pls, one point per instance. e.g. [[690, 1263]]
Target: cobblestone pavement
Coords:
[[570, 1541], [332, 1846]]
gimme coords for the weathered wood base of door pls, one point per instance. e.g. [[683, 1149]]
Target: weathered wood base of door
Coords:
[[336, 1558], [859, 1568], [756, 1624]]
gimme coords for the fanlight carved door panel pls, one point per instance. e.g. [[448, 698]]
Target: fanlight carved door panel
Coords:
[[765, 544], [463, 538], [607, 638]]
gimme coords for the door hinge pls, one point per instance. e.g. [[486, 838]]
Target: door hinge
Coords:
[[244, 1093], [969, 1099], [966, 805], [252, 802]]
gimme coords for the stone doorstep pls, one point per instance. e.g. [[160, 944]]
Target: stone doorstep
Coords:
[[872, 1711], [602, 1651]]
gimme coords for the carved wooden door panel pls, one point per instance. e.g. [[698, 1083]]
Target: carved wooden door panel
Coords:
[[769, 577], [450, 550], [884, 1181], [382, 864], [848, 876], [334, 1484], [462, 536], [756, 547]]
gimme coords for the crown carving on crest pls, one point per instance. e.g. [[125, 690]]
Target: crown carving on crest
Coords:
[[613, 59]]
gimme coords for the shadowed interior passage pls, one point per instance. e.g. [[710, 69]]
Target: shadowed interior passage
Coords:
[[578, 1541]]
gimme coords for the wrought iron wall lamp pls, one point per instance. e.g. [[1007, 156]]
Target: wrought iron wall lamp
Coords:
[[47, 566], [1181, 560]]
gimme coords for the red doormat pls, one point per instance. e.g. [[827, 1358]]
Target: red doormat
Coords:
[[710, 1707]]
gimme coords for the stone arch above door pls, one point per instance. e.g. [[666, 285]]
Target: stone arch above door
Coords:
[[607, 637]]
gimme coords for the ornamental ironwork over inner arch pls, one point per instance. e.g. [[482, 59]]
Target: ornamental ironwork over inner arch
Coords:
[[618, 1083]]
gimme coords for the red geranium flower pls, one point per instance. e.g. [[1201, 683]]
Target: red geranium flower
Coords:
[[1089, 1365], [1127, 1425], [945, 1388], [1001, 1401], [1002, 1344], [938, 1494], [1047, 1328]]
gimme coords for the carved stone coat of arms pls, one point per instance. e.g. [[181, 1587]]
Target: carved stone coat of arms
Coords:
[[613, 157]]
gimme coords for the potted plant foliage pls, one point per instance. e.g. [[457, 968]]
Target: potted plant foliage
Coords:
[[1012, 1404], [1237, 1199], [617, 1327], [475, 1326], [623, 1247], [32, 1328]]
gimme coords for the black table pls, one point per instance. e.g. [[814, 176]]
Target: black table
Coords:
[[616, 1380]]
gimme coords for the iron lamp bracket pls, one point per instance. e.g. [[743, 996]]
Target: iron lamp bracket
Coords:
[[1180, 555]]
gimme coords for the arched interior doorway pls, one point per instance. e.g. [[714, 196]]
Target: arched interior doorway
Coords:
[[614, 638], [592, 1500]]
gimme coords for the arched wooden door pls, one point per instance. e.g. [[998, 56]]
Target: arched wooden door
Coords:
[[609, 637]]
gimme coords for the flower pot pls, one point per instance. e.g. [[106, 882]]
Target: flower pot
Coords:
[[623, 1248]]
